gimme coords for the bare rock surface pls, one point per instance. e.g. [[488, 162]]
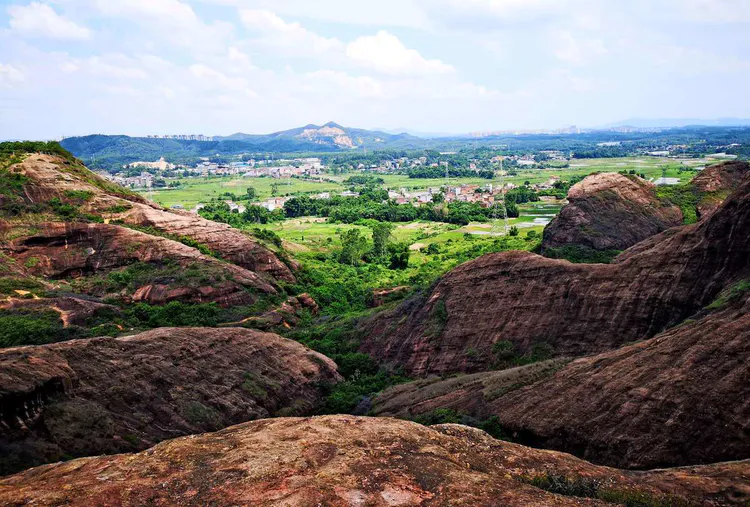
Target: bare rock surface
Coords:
[[49, 177], [677, 399], [578, 309], [108, 395], [717, 182], [58, 250], [680, 398], [345, 461], [610, 211]]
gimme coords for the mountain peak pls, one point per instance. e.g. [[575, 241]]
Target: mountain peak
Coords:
[[333, 125]]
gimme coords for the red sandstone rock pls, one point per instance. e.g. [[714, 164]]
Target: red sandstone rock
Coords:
[[51, 176], [610, 211], [108, 395], [578, 309], [341, 461], [717, 182]]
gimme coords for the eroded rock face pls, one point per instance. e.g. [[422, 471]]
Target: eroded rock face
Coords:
[[676, 399], [578, 309], [231, 244], [108, 395], [610, 211], [50, 176], [717, 182], [71, 250], [344, 461], [679, 398]]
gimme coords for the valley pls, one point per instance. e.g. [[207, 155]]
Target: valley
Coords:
[[607, 321]]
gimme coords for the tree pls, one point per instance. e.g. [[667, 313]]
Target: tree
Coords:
[[438, 198], [274, 189], [399, 256], [381, 238], [353, 247], [513, 231], [251, 194]]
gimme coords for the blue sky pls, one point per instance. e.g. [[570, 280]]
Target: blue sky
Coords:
[[138, 67]]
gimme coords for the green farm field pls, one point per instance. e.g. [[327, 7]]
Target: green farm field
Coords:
[[196, 190]]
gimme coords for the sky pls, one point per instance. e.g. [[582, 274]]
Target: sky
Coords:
[[215, 67]]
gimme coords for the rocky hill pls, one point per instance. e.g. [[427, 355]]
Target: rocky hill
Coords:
[[345, 461], [610, 211], [676, 399], [110, 395], [716, 182], [66, 232], [575, 309]]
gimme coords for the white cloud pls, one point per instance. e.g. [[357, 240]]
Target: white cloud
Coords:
[[41, 20], [322, 81], [171, 11], [385, 53], [276, 32], [213, 78], [714, 11], [402, 13], [10, 75], [576, 51]]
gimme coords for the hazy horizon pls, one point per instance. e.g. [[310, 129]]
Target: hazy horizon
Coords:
[[216, 67]]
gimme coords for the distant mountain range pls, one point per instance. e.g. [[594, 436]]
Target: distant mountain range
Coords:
[[110, 152], [647, 123], [330, 135]]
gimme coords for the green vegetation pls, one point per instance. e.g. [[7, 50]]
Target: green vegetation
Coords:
[[490, 425], [339, 339], [185, 240], [15, 149], [506, 355], [35, 327], [728, 296], [686, 197], [10, 284], [601, 489]]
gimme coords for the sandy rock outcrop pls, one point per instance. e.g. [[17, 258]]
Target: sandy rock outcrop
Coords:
[[341, 461], [680, 398], [610, 211], [73, 311], [49, 176], [108, 395], [677, 399], [716, 182], [70, 250], [578, 309]]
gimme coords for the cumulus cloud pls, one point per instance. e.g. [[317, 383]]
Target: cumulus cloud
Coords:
[[10, 75], [577, 51], [216, 79], [276, 32], [385, 53], [41, 20]]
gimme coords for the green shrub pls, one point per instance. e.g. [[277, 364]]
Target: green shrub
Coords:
[[601, 489], [27, 327], [175, 314]]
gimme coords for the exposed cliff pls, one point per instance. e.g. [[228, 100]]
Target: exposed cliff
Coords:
[[610, 211], [108, 395], [75, 192], [344, 461], [576, 308], [679, 398]]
